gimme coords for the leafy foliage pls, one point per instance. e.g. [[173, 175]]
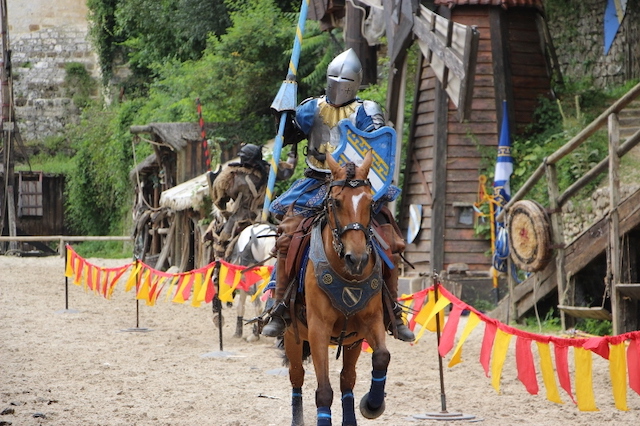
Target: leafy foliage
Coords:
[[98, 188], [80, 86]]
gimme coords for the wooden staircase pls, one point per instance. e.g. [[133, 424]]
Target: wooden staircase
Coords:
[[623, 121]]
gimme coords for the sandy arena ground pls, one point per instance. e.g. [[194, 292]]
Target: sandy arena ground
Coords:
[[83, 369]]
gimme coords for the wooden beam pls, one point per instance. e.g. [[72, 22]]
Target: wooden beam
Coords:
[[614, 264]]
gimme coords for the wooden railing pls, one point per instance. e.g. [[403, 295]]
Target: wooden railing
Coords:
[[63, 239], [557, 199]]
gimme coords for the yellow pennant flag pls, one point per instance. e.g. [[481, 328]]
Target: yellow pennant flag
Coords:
[[259, 290], [94, 278], [472, 322], [84, 275], [584, 380], [499, 355], [182, 283], [548, 375], [133, 278], [153, 288], [226, 291], [438, 307], [174, 280], [68, 270], [618, 374], [197, 287], [143, 288]]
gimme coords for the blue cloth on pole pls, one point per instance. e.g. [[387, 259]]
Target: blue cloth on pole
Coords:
[[502, 191], [614, 13]]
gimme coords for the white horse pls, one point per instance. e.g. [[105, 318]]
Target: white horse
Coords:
[[253, 246]]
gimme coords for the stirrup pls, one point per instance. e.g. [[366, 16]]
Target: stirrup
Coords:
[[275, 327]]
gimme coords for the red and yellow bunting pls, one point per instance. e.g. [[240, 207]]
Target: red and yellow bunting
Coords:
[[97, 279], [234, 277], [624, 366], [422, 308], [150, 283]]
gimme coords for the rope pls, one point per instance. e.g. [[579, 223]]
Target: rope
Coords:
[[499, 234]]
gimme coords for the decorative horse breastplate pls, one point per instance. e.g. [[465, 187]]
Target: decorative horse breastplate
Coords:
[[347, 296]]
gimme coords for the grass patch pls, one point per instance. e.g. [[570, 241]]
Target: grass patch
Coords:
[[59, 164], [550, 324], [104, 249]]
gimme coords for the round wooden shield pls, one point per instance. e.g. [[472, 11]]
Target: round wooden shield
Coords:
[[529, 236]]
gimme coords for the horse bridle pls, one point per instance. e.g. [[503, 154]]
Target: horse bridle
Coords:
[[337, 231]]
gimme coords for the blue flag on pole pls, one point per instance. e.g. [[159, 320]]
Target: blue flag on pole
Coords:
[[502, 190], [613, 15], [504, 163]]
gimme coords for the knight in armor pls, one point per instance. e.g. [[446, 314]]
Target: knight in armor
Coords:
[[237, 193], [316, 119]]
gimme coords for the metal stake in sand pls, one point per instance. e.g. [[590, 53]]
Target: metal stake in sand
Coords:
[[217, 302], [66, 309], [137, 328], [443, 414]]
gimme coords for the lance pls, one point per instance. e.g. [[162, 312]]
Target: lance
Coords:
[[285, 103]]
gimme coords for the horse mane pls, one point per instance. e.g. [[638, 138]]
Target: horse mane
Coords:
[[350, 168]]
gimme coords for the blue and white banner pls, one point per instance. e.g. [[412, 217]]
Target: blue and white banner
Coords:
[[502, 191], [504, 163], [613, 15]]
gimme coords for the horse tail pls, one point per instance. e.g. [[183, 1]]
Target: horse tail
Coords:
[[306, 352]]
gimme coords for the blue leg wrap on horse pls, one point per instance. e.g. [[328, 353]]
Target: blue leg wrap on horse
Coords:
[[376, 393], [296, 406], [296, 397], [324, 416], [348, 409]]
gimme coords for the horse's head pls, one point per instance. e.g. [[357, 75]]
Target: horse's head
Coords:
[[349, 213]]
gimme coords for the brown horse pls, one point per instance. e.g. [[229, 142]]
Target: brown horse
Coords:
[[341, 300]]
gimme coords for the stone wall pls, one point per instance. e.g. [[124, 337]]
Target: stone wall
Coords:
[[577, 30], [44, 35], [578, 217]]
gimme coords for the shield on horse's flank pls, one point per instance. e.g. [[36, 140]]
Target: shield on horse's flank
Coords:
[[355, 143]]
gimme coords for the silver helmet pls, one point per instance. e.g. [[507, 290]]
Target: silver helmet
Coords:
[[344, 75]]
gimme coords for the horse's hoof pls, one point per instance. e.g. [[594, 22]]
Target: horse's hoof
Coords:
[[216, 320], [367, 412], [252, 338], [237, 336]]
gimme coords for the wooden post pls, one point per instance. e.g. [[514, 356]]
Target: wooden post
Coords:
[[355, 40], [6, 199], [558, 240], [614, 275]]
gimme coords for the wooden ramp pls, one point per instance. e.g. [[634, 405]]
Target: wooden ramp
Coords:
[[591, 243]]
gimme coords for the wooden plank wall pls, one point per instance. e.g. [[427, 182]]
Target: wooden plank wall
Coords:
[[463, 157], [520, 76], [52, 220], [529, 71], [420, 161]]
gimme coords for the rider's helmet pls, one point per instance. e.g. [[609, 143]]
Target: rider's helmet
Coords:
[[344, 75], [250, 154]]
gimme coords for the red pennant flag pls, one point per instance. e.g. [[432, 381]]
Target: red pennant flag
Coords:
[[525, 366], [211, 292], [449, 332], [633, 365], [599, 345], [562, 368], [90, 272], [186, 292], [487, 345], [249, 278]]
